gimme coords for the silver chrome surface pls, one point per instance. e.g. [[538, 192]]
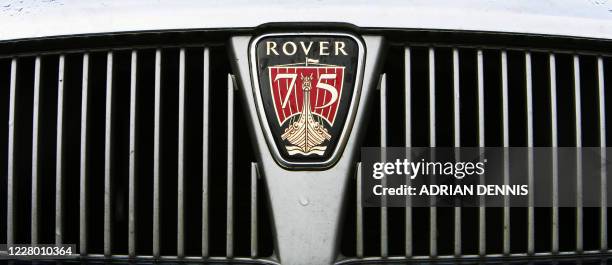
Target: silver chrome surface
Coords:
[[10, 182], [229, 234], [180, 230], [205, 149], [59, 162], [34, 217], [83, 166], [603, 221], [554, 143], [108, 166], [314, 204], [408, 143], [156, 155], [530, 169], [133, 155]]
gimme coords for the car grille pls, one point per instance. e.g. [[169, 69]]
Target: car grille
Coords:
[[127, 152], [441, 95], [125, 162]]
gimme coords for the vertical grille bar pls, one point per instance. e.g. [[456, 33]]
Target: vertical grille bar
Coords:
[[482, 247], [555, 184], [35, 137], [83, 158], [457, 141], [205, 133], [180, 230], [603, 244], [383, 143], [254, 177], [132, 157], [156, 155], [59, 155], [108, 156], [506, 142], [433, 240], [10, 207], [408, 124], [359, 213], [530, 169], [229, 250], [578, 128]]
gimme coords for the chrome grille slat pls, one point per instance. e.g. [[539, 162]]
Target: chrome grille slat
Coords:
[[108, 166], [229, 244], [10, 183], [408, 143], [132, 156], [433, 233], [83, 157], [180, 233], [35, 138], [205, 150], [578, 129], [359, 214], [554, 144], [384, 237], [602, 143], [156, 155], [59, 162], [457, 143], [506, 144], [254, 232], [482, 227], [530, 169]]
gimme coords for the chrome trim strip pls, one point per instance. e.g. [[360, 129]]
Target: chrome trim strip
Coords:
[[359, 214], [156, 155], [254, 232], [229, 243], [59, 154], [457, 143], [433, 233], [384, 233], [408, 143], [108, 149], [180, 212], [506, 136], [578, 128], [83, 197], [132, 156], [34, 217], [205, 148], [10, 182], [482, 226], [530, 165], [555, 177], [603, 241]]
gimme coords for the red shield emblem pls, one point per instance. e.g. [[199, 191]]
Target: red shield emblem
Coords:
[[307, 97], [325, 92]]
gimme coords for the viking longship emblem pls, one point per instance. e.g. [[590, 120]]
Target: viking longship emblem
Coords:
[[306, 98]]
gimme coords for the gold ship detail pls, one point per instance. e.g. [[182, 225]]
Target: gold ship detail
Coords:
[[306, 134]]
